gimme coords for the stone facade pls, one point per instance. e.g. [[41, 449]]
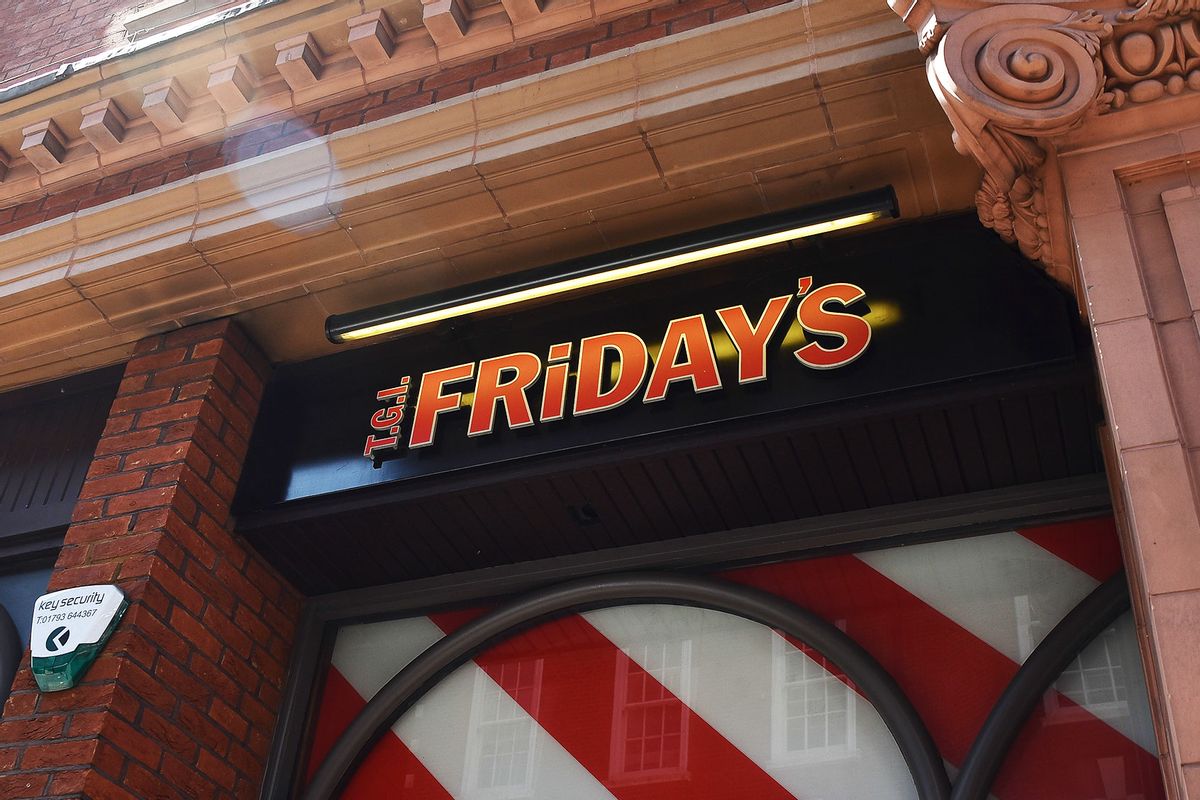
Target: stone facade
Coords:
[[1084, 120]]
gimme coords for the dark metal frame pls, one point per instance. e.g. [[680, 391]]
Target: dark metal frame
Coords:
[[1074, 632], [974, 514], [11, 651], [412, 682]]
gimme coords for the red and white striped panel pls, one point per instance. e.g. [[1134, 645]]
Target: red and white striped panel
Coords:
[[662, 702]]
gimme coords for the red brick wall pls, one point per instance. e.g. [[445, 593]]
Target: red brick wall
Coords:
[[644, 26], [38, 35], [183, 701]]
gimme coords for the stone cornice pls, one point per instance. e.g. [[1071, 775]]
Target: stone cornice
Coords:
[[1016, 77], [322, 212], [240, 69]]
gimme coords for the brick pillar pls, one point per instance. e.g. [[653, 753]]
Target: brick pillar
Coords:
[[1135, 206], [183, 701]]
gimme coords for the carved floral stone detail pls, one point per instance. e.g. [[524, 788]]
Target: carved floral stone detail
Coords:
[[1008, 77], [1150, 58], [1012, 76]]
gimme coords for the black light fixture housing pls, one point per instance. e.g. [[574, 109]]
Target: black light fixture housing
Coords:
[[614, 265]]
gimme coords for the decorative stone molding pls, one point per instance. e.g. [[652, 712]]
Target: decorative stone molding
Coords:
[[299, 61], [44, 145], [236, 69], [372, 38], [1153, 56], [103, 125], [1012, 77], [166, 105]]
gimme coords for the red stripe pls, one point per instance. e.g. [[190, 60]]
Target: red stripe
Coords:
[[389, 769], [1113, 772], [576, 705], [1090, 545], [952, 677]]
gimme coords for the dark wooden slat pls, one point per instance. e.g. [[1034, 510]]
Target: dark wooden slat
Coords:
[[1079, 432], [969, 448], [890, 456], [1021, 440], [783, 460], [622, 516], [710, 514], [1047, 434], [615, 489], [861, 451], [552, 529], [942, 452], [816, 472], [845, 478], [776, 498], [463, 528], [717, 484], [989, 424], [746, 487], [593, 535], [675, 502], [509, 516], [520, 542], [649, 496], [448, 551]]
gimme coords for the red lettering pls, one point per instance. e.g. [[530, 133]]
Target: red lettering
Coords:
[[751, 340], [491, 389], [379, 443], [431, 403], [853, 330], [385, 418], [689, 335], [631, 362], [554, 392]]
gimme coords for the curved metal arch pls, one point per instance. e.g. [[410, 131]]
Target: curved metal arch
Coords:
[[1074, 632], [402, 691]]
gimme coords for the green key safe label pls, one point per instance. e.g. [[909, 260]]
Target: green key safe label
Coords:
[[70, 628]]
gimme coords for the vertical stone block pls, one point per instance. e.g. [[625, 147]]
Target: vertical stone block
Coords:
[[372, 38], [299, 62], [231, 84], [166, 104], [44, 145], [103, 125], [522, 10], [446, 20]]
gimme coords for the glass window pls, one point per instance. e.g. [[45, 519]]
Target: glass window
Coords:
[[656, 702]]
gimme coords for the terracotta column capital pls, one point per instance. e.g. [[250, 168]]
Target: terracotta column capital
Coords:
[[1012, 76]]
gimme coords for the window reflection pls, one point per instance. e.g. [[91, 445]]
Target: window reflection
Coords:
[[502, 739], [649, 719], [813, 711]]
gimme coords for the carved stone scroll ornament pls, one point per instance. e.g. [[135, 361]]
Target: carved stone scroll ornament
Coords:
[[1152, 55], [1008, 77]]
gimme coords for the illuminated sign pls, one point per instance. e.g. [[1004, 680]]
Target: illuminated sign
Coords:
[[603, 372]]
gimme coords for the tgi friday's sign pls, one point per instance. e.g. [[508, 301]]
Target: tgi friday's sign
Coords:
[[605, 369], [618, 367]]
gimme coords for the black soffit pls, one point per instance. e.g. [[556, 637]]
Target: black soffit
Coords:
[[982, 383]]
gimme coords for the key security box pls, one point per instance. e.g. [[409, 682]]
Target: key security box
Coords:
[[70, 627]]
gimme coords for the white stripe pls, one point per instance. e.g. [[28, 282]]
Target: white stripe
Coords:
[[736, 681], [369, 655], [1011, 592], [1003, 588], [448, 729]]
